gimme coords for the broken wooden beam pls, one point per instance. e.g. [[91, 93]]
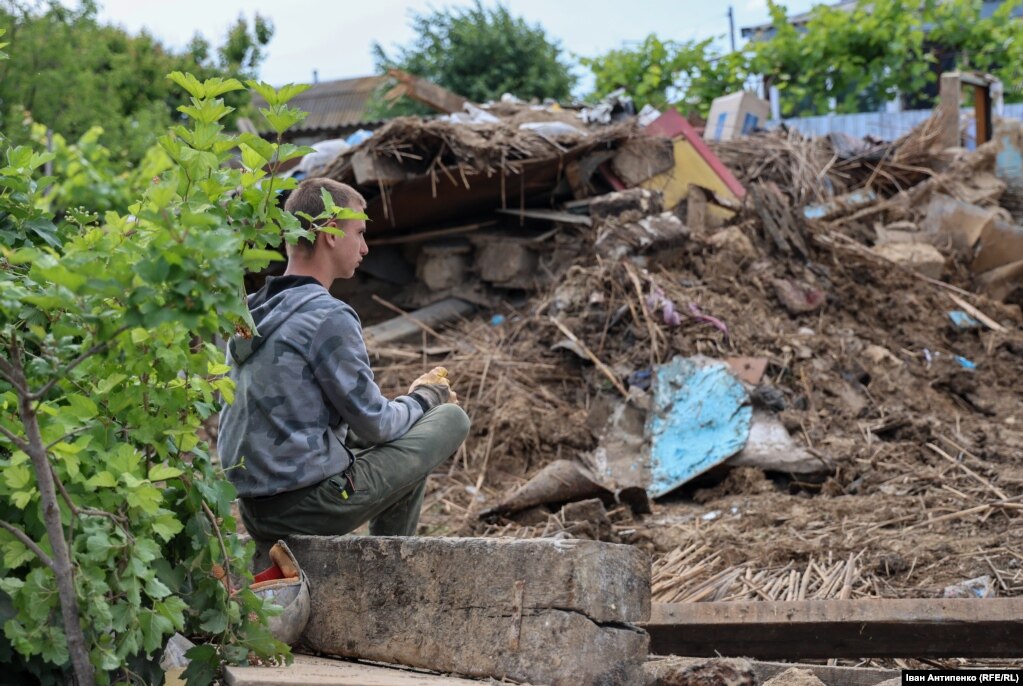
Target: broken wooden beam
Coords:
[[413, 323], [816, 629], [307, 670], [422, 91], [541, 611]]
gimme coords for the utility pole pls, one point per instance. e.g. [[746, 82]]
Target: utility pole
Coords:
[[731, 26]]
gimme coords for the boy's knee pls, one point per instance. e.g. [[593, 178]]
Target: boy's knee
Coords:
[[454, 420]]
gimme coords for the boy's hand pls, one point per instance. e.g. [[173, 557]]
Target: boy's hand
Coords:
[[437, 375]]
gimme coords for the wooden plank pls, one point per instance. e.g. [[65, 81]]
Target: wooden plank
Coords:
[[371, 170], [816, 629], [949, 95], [318, 671], [413, 323], [428, 235], [832, 676], [977, 314], [550, 215]]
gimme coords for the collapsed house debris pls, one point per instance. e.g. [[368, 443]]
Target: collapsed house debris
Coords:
[[861, 390], [783, 366]]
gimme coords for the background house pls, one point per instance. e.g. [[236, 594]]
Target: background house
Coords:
[[336, 109]]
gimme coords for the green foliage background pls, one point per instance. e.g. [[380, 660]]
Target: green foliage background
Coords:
[[842, 61], [480, 54], [72, 73]]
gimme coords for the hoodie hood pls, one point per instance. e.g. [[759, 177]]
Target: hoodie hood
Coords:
[[272, 305]]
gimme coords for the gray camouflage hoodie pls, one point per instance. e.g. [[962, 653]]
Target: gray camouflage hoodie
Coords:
[[299, 384]]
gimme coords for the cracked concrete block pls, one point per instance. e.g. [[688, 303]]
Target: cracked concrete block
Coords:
[[540, 611]]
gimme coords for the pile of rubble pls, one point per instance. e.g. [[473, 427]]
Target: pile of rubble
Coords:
[[843, 318]]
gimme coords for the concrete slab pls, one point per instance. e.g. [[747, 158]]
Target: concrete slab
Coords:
[[542, 611], [318, 671]]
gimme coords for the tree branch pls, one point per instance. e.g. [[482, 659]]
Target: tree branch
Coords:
[[223, 548], [99, 347], [88, 511], [69, 434], [7, 374], [29, 543], [13, 438]]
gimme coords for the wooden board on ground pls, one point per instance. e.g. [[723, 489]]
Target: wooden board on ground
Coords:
[[814, 629], [319, 671]]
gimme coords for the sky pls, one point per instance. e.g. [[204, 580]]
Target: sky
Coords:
[[334, 38]]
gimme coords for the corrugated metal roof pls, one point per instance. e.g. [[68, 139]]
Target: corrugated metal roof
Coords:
[[333, 104]]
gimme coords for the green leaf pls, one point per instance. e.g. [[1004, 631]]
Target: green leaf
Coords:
[[268, 92], [145, 497], [204, 665], [82, 408], [213, 621], [108, 384], [60, 275], [16, 553], [167, 526], [156, 589], [18, 477], [101, 480], [283, 118], [217, 86], [162, 472], [154, 627], [261, 146], [189, 83], [163, 191], [289, 91]]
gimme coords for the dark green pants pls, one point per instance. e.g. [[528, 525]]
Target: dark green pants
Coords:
[[390, 481]]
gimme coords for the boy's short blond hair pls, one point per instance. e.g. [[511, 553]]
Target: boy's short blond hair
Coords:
[[306, 198]]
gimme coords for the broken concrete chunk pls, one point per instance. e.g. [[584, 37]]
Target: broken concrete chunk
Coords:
[[660, 232], [626, 206], [506, 263], [443, 265], [1000, 283], [772, 449], [795, 677], [642, 157], [541, 611], [735, 242], [920, 257], [687, 671], [799, 298], [1000, 244], [588, 519], [955, 226]]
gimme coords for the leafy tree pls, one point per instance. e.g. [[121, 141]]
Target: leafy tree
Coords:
[[857, 60], [970, 42], [480, 54], [72, 73], [113, 517], [666, 72]]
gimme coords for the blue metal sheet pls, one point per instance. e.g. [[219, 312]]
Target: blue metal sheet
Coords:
[[700, 417]]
